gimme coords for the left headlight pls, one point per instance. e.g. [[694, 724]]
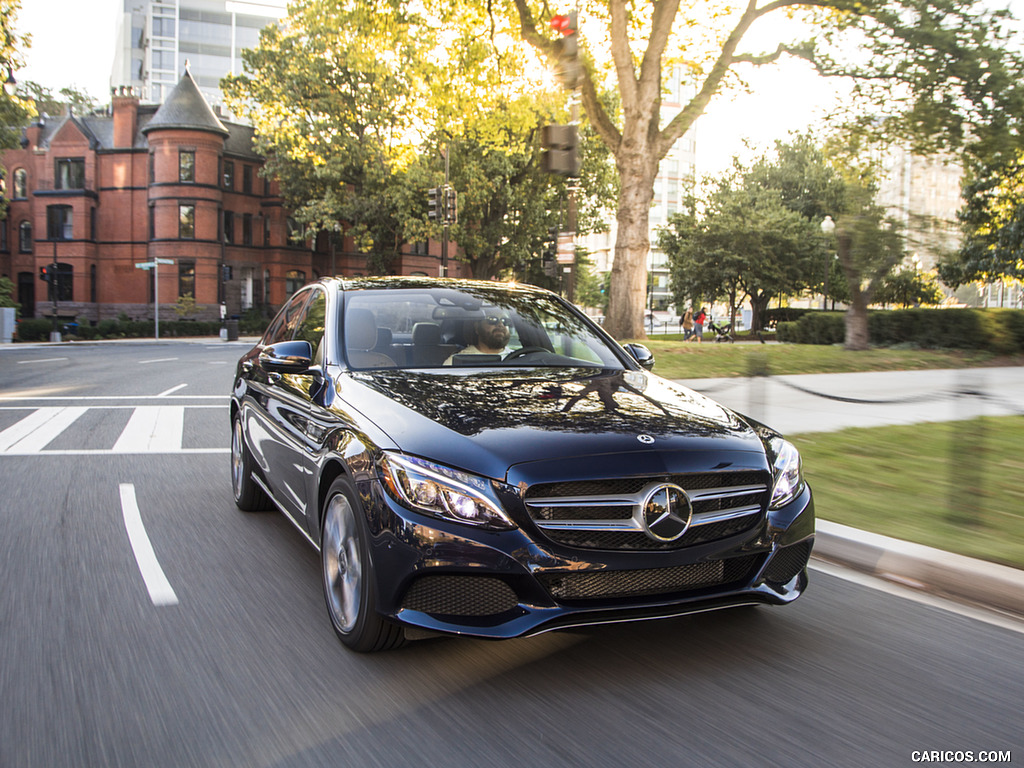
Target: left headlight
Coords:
[[788, 471], [442, 491]]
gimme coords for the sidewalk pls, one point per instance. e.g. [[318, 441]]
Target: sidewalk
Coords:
[[829, 402]]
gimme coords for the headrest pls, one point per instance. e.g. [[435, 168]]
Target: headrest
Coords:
[[384, 338], [426, 333], [360, 329]]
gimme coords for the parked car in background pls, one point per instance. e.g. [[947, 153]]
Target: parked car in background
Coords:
[[481, 459]]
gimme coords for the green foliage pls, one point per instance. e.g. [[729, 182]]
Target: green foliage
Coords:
[[7, 294], [909, 287], [993, 221], [15, 111], [54, 104], [34, 329], [186, 305]]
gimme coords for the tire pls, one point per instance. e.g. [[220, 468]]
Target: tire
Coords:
[[249, 497], [348, 575]]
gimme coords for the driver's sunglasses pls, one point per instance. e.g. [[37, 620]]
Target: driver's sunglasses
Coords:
[[497, 321]]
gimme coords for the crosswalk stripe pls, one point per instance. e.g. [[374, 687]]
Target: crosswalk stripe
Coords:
[[39, 428], [153, 428]]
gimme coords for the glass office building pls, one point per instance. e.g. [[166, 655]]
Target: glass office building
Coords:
[[157, 37]]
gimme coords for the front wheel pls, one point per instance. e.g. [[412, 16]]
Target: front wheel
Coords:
[[348, 575], [248, 495]]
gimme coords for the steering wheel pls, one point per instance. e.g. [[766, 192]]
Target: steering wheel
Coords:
[[523, 351]]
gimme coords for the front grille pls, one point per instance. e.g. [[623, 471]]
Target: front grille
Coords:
[[454, 595], [596, 585], [606, 514], [787, 563]]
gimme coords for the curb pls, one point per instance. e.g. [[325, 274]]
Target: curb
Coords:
[[988, 584]]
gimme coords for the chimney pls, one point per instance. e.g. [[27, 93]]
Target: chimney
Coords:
[[125, 104]]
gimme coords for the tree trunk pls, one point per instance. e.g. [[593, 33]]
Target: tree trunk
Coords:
[[856, 320], [759, 310], [628, 285]]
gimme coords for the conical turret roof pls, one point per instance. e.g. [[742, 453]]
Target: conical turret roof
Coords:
[[186, 107]]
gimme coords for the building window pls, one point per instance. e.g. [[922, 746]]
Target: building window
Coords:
[[186, 166], [293, 280], [25, 237], [229, 175], [20, 184], [247, 179], [3, 235], [187, 278], [152, 167], [59, 222], [247, 229], [152, 222], [69, 173], [187, 221], [229, 227], [92, 283], [266, 229], [64, 283], [266, 287]]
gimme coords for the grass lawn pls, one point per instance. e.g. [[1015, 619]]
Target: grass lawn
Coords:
[[676, 359], [954, 485]]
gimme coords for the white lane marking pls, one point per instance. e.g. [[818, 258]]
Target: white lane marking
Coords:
[[167, 392], [160, 590], [153, 428], [35, 431], [158, 360], [42, 360], [995, 618]]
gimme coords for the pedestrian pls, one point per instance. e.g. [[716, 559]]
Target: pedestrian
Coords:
[[698, 325], [687, 324]]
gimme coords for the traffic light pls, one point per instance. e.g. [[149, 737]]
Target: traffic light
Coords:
[[560, 155], [567, 52], [44, 274], [451, 205], [435, 203]]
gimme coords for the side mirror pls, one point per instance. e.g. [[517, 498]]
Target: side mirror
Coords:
[[287, 357], [641, 354]]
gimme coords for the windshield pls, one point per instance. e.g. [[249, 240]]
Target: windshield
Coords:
[[467, 327]]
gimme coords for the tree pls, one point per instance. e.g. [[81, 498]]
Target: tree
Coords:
[[7, 294], [335, 94], [909, 287], [49, 103], [938, 67], [748, 243], [993, 223]]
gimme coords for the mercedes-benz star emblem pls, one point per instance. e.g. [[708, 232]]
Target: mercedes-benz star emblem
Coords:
[[666, 512], [645, 439]]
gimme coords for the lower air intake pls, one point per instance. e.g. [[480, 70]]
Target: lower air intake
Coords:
[[460, 596]]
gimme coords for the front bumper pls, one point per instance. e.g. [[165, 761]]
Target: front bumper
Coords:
[[451, 578]]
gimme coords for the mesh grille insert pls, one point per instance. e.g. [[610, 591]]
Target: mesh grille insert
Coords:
[[648, 581], [460, 596]]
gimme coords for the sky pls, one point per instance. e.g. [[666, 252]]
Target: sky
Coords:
[[784, 98]]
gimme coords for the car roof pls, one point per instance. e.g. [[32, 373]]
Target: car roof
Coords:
[[425, 283]]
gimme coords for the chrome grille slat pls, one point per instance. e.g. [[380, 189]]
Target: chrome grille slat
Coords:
[[722, 514], [570, 516]]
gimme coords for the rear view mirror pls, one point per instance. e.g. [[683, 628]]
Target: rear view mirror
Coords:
[[287, 357], [641, 354]]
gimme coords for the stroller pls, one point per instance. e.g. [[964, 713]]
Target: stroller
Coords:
[[722, 333]]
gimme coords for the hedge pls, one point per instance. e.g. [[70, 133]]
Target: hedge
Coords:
[[38, 329], [1000, 331]]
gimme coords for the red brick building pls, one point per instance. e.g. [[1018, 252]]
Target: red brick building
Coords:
[[99, 194]]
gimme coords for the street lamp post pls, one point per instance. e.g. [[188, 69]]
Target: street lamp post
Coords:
[[828, 227]]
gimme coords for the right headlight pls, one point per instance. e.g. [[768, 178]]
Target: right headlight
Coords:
[[788, 473], [442, 491]]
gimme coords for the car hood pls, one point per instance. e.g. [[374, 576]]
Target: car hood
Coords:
[[490, 421]]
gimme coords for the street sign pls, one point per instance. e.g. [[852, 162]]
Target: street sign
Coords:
[[566, 248], [156, 290], [151, 264]]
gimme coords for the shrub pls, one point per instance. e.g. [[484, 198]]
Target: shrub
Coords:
[[34, 329]]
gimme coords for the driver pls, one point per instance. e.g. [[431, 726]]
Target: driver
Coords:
[[487, 336]]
